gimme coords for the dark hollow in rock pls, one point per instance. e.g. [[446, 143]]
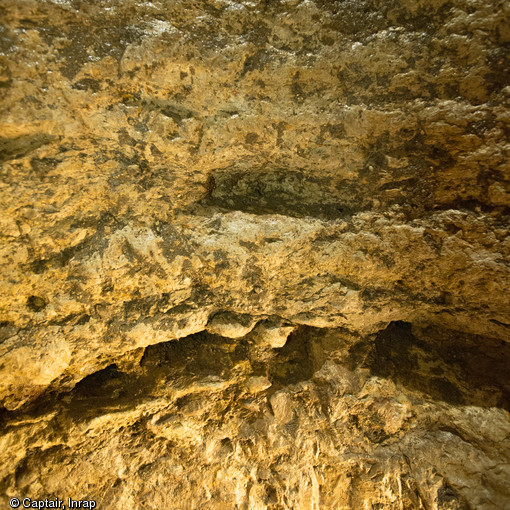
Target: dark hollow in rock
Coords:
[[460, 369], [36, 303]]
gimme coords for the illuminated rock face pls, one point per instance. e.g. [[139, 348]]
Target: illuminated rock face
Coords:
[[255, 255]]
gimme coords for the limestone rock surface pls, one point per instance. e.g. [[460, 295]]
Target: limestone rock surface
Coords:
[[255, 254]]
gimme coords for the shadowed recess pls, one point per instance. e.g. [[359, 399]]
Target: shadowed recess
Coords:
[[451, 366]]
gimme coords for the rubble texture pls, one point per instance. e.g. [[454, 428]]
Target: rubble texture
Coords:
[[255, 255]]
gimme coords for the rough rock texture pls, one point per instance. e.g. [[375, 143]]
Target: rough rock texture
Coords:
[[255, 254]]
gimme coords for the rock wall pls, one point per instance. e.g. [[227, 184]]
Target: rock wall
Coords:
[[255, 254]]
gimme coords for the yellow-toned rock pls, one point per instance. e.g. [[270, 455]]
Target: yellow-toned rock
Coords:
[[255, 254]]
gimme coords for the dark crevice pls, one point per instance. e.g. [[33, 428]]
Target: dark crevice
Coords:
[[449, 366], [290, 193], [441, 365], [13, 148]]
